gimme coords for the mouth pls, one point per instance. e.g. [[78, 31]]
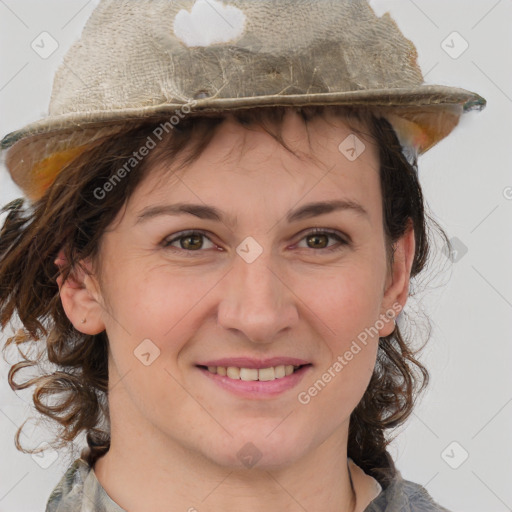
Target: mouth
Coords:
[[267, 374], [255, 380]]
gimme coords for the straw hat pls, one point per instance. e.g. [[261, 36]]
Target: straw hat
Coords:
[[151, 59]]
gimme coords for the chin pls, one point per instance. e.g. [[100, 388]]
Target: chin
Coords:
[[261, 451]]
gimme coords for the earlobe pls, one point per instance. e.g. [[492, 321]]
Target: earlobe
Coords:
[[397, 290], [80, 298]]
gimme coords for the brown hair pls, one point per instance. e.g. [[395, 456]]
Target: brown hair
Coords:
[[70, 216]]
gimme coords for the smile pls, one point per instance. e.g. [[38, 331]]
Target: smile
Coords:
[[252, 374], [256, 383]]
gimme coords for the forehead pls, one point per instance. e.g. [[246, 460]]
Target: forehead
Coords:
[[329, 158]]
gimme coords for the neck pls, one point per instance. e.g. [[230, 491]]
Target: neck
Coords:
[[147, 468], [221, 489], [177, 477]]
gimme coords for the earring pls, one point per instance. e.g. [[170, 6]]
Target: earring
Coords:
[[84, 320]]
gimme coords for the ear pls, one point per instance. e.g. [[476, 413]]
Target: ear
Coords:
[[80, 297], [397, 282]]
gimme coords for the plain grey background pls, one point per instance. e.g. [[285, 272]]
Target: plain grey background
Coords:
[[457, 443]]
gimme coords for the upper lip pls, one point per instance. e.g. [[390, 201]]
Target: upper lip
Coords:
[[249, 362]]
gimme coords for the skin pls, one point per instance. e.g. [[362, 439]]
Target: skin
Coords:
[[175, 435]]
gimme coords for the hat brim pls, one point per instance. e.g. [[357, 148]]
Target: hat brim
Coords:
[[435, 109]]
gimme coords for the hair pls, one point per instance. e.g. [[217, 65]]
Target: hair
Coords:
[[71, 217]]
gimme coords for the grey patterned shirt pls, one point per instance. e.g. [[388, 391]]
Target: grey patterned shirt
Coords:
[[80, 491]]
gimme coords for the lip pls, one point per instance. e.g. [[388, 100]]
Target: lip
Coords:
[[249, 362], [257, 389]]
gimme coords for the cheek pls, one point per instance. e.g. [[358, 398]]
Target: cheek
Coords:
[[158, 304], [347, 307], [149, 299], [347, 300], [351, 311]]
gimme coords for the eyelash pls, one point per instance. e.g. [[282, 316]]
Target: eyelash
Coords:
[[333, 234]]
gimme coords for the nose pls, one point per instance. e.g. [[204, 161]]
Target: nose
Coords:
[[257, 301]]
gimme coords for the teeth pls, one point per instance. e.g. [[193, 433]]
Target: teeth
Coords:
[[233, 372], [267, 373], [251, 374], [279, 371], [248, 374]]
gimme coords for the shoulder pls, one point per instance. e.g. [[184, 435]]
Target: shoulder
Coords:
[[404, 496], [68, 493], [80, 491]]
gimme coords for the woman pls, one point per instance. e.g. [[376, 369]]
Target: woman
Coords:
[[225, 218]]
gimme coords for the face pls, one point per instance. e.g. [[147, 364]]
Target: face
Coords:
[[269, 286]]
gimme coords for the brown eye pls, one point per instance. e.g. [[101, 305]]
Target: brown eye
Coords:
[[319, 239], [191, 241]]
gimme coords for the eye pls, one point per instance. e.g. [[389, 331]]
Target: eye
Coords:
[[193, 241], [188, 241], [319, 239]]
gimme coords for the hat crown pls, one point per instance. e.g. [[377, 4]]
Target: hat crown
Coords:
[[143, 61], [144, 53]]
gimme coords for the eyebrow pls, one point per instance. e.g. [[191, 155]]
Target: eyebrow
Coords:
[[202, 211]]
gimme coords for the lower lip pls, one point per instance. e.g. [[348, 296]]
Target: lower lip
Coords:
[[256, 388]]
